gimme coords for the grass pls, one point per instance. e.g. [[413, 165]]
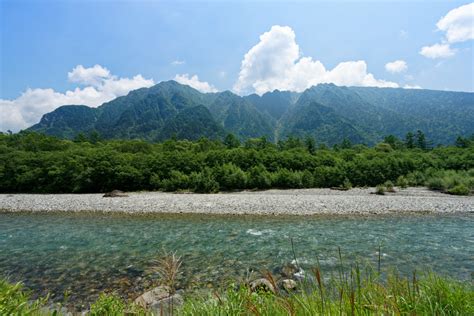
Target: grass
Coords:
[[356, 291], [15, 300]]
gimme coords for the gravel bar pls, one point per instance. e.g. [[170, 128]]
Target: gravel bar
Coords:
[[270, 202]]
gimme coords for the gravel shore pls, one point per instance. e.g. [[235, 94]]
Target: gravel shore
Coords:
[[271, 202]]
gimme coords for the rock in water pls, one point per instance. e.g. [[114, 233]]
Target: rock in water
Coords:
[[289, 285], [159, 301], [115, 193], [262, 285]]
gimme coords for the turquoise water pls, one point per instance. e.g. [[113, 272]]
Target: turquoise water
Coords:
[[85, 254]]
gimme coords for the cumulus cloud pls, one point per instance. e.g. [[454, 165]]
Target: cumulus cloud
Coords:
[[396, 66], [193, 81], [437, 51], [458, 26], [275, 62], [89, 76], [99, 86]]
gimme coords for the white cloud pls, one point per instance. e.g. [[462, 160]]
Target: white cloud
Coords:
[[276, 63], [89, 76], [408, 86], [396, 66], [178, 62], [100, 87], [458, 24], [194, 82], [437, 51]]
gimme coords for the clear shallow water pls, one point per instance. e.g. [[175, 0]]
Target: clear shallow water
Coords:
[[86, 254]]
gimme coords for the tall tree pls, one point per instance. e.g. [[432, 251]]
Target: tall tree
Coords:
[[421, 140], [410, 140], [231, 141]]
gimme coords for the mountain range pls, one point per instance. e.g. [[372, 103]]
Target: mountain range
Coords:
[[327, 112]]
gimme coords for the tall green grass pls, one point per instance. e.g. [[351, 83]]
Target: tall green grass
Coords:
[[353, 291], [15, 300], [353, 294]]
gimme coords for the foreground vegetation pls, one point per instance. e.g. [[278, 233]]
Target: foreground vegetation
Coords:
[[355, 293], [31, 162]]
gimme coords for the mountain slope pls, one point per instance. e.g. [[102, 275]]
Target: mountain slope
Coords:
[[327, 112]]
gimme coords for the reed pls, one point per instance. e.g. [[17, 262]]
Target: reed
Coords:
[[350, 292]]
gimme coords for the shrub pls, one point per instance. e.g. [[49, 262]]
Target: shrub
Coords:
[[402, 182], [230, 177], [416, 178], [307, 179], [285, 178], [380, 190], [259, 178], [436, 183], [346, 185], [204, 182], [459, 189], [176, 181], [108, 304], [389, 186]]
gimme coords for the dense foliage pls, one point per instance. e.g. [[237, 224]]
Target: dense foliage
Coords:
[[31, 162], [326, 112]]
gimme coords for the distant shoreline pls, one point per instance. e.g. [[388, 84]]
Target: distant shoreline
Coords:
[[270, 202]]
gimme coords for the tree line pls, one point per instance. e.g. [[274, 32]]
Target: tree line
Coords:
[[32, 162]]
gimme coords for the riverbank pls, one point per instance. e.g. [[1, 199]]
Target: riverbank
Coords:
[[356, 201]]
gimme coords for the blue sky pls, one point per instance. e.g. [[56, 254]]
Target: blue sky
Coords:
[[43, 41]]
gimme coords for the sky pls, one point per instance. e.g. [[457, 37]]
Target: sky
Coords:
[[88, 52]]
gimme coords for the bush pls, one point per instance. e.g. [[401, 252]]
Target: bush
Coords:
[[285, 178], [346, 185], [176, 181], [230, 177], [460, 189], [204, 182], [259, 178], [436, 184], [402, 182], [307, 179], [110, 304], [389, 186], [380, 190]]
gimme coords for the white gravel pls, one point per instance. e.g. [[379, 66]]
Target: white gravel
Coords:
[[292, 202]]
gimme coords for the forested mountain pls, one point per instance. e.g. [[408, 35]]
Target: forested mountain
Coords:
[[326, 112]]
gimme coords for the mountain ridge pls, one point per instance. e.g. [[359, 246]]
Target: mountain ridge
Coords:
[[325, 111]]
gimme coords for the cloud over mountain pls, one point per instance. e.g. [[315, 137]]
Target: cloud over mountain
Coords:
[[99, 86], [275, 62], [193, 81]]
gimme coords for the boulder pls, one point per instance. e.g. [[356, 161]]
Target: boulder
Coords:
[[262, 285], [289, 285], [115, 193], [167, 305], [159, 301]]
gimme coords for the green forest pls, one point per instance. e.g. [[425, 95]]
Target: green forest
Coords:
[[35, 163]]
